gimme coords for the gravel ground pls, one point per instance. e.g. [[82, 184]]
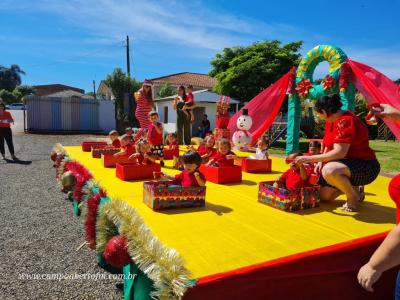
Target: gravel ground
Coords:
[[39, 234]]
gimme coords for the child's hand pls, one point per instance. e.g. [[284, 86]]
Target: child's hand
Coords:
[[231, 156], [367, 276], [276, 185], [196, 174]]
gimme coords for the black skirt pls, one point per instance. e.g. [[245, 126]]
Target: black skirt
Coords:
[[363, 172]]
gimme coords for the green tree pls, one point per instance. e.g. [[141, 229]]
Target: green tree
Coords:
[[166, 90], [121, 85], [7, 97], [243, 72], [10, 78], [23, 90]]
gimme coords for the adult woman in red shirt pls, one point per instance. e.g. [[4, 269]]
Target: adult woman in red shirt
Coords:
[[5, 131], [348, 160]]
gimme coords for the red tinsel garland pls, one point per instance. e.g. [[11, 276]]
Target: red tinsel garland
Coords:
[[344, 77], [82, 175], [292, 81], [304, 87], [90, 222]]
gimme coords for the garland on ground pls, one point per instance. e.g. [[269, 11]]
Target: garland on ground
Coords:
[[161, 264]]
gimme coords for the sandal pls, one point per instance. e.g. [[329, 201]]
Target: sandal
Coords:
[[362, 193], [349, 207]]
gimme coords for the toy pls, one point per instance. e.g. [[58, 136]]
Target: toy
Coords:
[[222, 174], [134, 171], [288, 200], [162, 195], [87, 145], [242, 137]]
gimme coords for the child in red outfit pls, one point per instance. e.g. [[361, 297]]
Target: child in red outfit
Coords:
[[115, 143], [127, 148], [190, 176], [224, 157], [296, 177], [172, 141], [207, 149], [189, 103], [143, 155], [155, 137], [129, 132]]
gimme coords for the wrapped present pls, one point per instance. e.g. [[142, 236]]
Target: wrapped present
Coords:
[[109, 160], [222, 174], [87, 145], [220, 133], [163, 195], [135, 171], [288, 200], [254, 165], [98, 151], [170, 153]]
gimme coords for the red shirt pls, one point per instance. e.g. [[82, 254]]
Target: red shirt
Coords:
[[292, 179], [145, 161], [348, 129], [186, 179], [206, 150], [128, 149], [5, 119], [155, 138], [116, 143], [189, 99], [222, 161], [173, 145]]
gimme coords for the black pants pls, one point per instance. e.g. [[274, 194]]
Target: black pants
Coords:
[[6, 134]]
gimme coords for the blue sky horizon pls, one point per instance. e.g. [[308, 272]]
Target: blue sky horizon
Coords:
[[75, 42]]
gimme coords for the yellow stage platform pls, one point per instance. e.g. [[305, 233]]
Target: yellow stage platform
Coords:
[[233, 230]]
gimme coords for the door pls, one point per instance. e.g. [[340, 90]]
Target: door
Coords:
[[198, 117]]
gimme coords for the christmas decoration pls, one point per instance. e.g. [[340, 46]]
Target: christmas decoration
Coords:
[[242, 137], [116, 252]]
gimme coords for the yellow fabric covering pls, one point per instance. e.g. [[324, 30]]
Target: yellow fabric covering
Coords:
[[233, 230]]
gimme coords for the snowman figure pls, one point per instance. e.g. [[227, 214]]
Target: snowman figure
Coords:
[[242, 137]]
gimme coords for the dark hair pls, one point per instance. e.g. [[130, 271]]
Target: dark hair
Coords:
[[315, 144], [190, 86], [329, 103], [128, 128], [173, 134], [3, 105], [191, 157], [152, 113], [265, 140], [205, 115], [181, 87]]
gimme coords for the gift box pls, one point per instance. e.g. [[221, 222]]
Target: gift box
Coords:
[[288, 200], [221, 133], [135, 171], [98, 151], [222, 174], [254, 165], [87, 146], [109, 160], [163, 195], [171, 153]]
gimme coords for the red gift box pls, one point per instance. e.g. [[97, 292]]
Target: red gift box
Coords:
[[160, 195], [134, 171], [97, 152], [254, 165], [222, 174], [109, 160], [170, 153], [87, 146], [220, 133], [288, 200]]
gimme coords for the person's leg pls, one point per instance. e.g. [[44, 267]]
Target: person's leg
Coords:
[[328, 193], [179, 128], [9, 140], [186, 128], [338, 175], [2, 150]]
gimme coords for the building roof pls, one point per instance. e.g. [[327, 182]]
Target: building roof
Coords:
[[204, 96], [48, 89], [186, 78], [69, 93]]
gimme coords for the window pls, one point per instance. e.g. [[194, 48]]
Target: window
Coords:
[[165, 114]]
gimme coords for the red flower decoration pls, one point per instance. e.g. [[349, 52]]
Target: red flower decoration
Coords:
[[116, 251], [328, 82], [344, 76], [304, 87]]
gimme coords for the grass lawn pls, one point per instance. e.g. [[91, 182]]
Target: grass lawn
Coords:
[[388, 153]]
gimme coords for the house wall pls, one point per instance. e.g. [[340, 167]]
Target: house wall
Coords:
[[106, 116]]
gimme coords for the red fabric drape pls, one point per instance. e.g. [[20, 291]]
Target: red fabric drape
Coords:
[[326, 273], [264, 107], [376, 88]]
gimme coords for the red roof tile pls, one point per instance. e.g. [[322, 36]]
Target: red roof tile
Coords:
[[48, 89], [186, 78]]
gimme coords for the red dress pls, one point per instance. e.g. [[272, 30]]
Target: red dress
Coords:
[[143, 107], [202, 150], [222, 161], [292, 179], [144, 161], [116, 143], [186, 179], [154, 137], [348, 129], [172, 146], [128, 149]]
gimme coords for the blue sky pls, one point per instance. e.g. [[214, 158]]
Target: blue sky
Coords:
[[75, 41]]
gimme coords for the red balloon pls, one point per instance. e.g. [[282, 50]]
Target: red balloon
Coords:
[[116, 251], [394, 192]]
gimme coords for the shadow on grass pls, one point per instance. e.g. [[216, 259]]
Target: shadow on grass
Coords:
[[218, 209]]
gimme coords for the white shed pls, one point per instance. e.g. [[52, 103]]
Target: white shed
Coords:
[[206, 103]]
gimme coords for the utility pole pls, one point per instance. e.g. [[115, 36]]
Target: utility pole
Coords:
[[128, 63], [94, 89]]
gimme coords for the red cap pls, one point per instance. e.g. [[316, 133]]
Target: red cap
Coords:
[[147, 82]]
